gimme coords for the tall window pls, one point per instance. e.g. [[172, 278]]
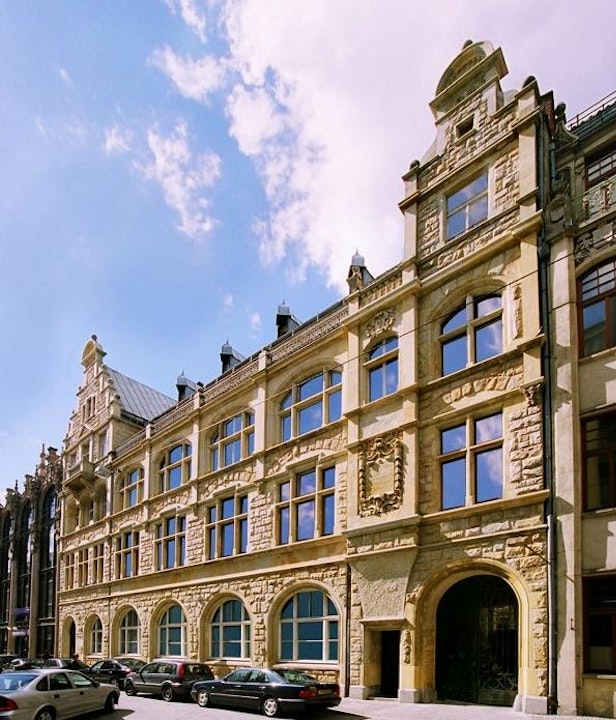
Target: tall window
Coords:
[[96, 637], [48, 559], [130, 630], [227, 527], [172, 633], [24, 556], [69, 570], [600, 624], [175, 467], [382, 367], [601, 166], [310, 404], [468, 206], [5, 566], [472, 333], [472, 462], [598, 311], [82, 567], [230, 631], [127, 555], [170, 543], [98, 564], [306, 506], [599, 447], [233, 440], [309, 628], [131, 488]]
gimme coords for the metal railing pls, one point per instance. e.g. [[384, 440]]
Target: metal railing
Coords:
[[593, 110]]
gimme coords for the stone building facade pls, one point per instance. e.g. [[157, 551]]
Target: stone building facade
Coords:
[[29, 531], [366, 496]]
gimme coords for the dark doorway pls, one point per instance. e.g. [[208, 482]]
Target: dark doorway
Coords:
[[71, 639], [477, 642], [390, 663]]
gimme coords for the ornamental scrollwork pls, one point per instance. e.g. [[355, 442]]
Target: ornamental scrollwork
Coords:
[[381, 480], [380, 323]]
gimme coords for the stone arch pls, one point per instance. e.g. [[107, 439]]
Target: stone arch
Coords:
[[422, 608], [222, 665], [89, 643], [114, 631], [154, 627], [68, 637]]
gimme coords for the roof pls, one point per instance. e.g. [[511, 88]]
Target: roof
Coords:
[[139, 399]]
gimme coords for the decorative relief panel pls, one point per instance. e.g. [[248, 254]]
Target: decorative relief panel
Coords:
[[381, 481], [588, 243], [323, 443], [380, 323], [506, 380]]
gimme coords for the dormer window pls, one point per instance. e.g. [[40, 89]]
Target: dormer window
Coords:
[[468, 206], [465, 127]]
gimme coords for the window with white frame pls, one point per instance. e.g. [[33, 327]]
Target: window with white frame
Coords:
[[126, 550], [130, 630], [174, 468], [98, 564], [233, 440], [230, 631], [131, 488], [69, 570], [471, 461], [471, 333], [309, 628], [172, 633], [82, 567], [467, 206], [306, 506], [382, 368], [96, 637], [170, 543], [227, 527], [311, 403]]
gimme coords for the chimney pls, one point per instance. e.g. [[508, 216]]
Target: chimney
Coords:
[[185, 387], [229, 357], [359, 276], [285, 321]]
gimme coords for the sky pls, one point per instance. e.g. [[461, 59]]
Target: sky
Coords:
[[173, 170]]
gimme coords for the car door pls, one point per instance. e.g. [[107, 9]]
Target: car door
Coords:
[[88, 698], [255, 688], [231, 690], [144, 678], [67, 700], [103, 671]]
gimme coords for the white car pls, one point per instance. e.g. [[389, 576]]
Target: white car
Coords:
[[52, 694]]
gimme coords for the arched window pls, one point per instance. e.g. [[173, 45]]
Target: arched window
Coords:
[[382, 368], [175, 467], [96, 637], [597, 292], [310, 404], [309, 628], [472, 333], [172, 633], [233, 440], [130, 631], [230, 631], [131, 488]]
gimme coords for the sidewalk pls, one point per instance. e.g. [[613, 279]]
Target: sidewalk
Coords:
[[393, 710]]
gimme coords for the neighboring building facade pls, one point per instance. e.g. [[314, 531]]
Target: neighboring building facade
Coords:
[[366, 497], [29, 532], [581, 268]]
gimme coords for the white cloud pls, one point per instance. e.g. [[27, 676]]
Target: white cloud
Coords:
[[254, 118], [118, 140], [183, 177], [191, 14], [194, 79], [228, 302], [255, 323], [65, 77]]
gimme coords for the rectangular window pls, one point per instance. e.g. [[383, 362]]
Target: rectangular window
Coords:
[[69, 571], [306, 506], [601, 167], [468, 206], [127, 555], [599, 448], [82, 568], [227, 527], [600, 624], [170, 543], [98, 563], [472, 462]]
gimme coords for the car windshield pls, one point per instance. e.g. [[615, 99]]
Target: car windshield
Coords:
[[131, 663], [296, 676], [9, 682]]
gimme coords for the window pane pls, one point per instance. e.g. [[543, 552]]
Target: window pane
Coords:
[[284, 525], [328, 515], [232, 452], [457, 320], [334, 406], [600, 643], [489, 428], [329, 477], [310, 387], [376, 383], [478, 211], [488, 340], [453, 484], [227, 540], [454, 354], [285, 427], [597, 482], [453, 439], [310, 418], [489, 472], [175, 477], [391, 376], [335, 377], [594, 321], [284, 490], [305, 520], [227, 508], [306, 483], [487, 305], [175, 455]]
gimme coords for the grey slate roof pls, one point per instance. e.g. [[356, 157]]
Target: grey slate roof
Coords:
[[138, 399]]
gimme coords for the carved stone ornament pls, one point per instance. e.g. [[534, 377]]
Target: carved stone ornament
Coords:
[[517, 312], [588, 243], [406, 646], [533, 394], [381, 480], [380, 323]]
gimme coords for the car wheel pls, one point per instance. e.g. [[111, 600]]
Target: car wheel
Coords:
[[45, 714], [110, 702], [168, 694], [269, 707], [129, 688], [203, 698]]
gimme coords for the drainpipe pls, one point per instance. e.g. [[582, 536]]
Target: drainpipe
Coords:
[[347, 649], [545, 305]]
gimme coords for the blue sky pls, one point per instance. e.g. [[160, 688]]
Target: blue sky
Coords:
[[173, 169]]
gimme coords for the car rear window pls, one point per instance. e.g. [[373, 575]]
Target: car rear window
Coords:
[[197, 669]]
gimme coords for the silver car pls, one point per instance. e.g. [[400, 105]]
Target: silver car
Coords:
[[52, 694]]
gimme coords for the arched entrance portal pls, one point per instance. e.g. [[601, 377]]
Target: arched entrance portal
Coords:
[[477, 642]]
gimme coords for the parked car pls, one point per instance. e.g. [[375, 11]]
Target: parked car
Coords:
[[270, 691], [52, 694], [109, 671], [25, 663], [66, 663], [169, 677], [5, 660], [131, 662]]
